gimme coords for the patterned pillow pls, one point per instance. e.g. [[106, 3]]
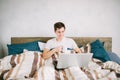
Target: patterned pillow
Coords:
[[86, 48]]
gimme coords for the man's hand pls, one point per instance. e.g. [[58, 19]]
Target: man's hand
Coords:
[[59, 49], [78, 50]]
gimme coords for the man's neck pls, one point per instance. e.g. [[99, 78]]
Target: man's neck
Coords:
[[59, 39]]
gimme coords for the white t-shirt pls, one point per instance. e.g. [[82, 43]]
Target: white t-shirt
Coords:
[[65, 43]]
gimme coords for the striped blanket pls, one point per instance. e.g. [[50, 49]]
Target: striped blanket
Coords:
[[31, 66]]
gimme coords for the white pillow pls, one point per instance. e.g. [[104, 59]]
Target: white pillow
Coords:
[[26, 51], [41, 45]]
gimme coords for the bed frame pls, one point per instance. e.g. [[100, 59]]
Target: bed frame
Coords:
[[79, 40]]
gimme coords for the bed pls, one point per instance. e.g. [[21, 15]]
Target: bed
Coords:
[[29, 65]]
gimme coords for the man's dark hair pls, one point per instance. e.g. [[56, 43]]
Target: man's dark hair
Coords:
[[58, 25]]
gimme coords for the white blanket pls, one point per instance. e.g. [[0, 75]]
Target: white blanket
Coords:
[[31, 66]]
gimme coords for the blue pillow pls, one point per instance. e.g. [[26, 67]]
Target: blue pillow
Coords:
[[98, 51], [18, 48], [114, 57]]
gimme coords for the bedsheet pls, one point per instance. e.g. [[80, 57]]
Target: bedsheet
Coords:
[[31, 66]]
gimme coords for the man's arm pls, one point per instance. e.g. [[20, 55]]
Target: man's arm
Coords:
[[75, 47], [48, 53]]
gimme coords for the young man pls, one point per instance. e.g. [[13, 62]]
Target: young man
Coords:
[[60, 43]]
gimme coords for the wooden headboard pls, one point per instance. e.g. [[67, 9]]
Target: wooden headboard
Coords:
[[79, 40]]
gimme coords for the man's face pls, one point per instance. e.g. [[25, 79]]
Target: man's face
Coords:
[[60, 32]]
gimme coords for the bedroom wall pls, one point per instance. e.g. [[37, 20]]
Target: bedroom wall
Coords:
[[83, 18]]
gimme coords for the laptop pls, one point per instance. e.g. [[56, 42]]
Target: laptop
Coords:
[[68, 60]]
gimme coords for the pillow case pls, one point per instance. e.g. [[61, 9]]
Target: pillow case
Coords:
[[114, 57], [41, 45], [27, 51], [98, 51], [86, 48], [18, 48]]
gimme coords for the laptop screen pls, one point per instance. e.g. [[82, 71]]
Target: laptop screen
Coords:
[[68, 60]]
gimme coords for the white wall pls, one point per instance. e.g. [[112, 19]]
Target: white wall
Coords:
[[83, 18]]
